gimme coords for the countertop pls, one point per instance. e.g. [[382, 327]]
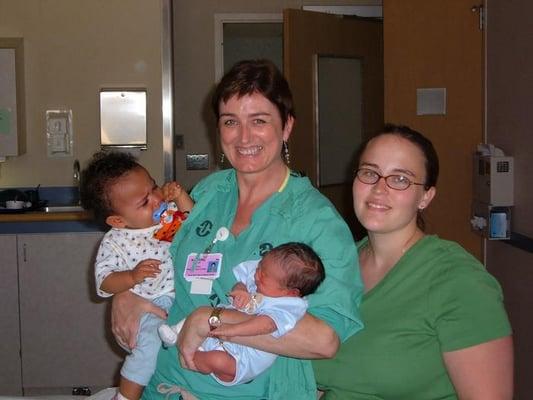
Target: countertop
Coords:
[[40, 216]]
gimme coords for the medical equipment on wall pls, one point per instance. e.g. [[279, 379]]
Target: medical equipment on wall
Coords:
[[493, 194]]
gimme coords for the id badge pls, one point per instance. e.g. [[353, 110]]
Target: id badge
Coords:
[[202, 266]]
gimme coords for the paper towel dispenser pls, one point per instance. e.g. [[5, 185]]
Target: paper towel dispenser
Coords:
[[493, 193], [123, 118], [493, 180]]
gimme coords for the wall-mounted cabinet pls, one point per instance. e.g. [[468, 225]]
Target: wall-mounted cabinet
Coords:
[[12, 121]]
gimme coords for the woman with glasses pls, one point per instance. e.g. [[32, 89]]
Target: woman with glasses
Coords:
[[435, 325]]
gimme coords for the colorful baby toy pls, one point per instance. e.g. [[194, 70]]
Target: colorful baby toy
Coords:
[[170, 219]]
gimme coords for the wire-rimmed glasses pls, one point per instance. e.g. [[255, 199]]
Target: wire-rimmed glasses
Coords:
[[395, 181]]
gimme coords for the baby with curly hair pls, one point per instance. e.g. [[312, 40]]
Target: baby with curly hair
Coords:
[[121, 193]]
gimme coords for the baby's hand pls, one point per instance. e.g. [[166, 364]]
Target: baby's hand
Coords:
[[148, 268], [172, 191], [240, 297]]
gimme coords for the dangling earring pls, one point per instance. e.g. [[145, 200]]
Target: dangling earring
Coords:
[[222, 158], [286, 154]]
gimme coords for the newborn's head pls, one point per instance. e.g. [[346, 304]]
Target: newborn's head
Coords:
[[291, 269]]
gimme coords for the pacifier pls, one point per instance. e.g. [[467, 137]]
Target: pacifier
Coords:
[[156, 216]]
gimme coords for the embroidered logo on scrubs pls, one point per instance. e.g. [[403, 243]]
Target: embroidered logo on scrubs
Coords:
[[265, 248], [214, 300], [169, 390], [204, 228]]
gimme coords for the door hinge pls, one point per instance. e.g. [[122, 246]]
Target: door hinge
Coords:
[[480, 9]]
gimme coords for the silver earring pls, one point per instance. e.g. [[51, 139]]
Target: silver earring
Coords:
[[286, 154], [222, 158]]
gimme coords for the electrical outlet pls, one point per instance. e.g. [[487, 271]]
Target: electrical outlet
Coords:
[[197, 161]]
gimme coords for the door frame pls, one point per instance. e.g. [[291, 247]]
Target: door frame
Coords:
[[236, 18], [167, 92], [303, 38], [360, 11]]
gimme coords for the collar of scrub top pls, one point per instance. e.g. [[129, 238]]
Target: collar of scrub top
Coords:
[[227, 184], [285, 181]]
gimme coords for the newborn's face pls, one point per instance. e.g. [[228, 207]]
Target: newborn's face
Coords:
[[269, 278]]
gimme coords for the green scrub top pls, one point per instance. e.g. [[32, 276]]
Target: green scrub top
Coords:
[[298, 213], [437, 298]]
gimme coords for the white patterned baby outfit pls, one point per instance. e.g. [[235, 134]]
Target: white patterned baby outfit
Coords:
[[121, 250]]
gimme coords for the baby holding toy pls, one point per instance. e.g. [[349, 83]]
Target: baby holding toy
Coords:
[[133, 254]]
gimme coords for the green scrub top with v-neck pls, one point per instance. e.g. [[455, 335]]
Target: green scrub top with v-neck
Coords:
[[296, 213], [437, 298]]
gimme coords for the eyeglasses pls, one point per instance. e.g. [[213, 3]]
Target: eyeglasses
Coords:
[[396, 182]]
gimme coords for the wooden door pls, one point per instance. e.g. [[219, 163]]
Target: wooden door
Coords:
[[311, 34], [439, 44]]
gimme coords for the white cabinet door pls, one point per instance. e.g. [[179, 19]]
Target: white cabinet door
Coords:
[[65, 327], [10, 380]]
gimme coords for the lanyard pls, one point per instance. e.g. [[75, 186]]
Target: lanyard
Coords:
[[221, 235]]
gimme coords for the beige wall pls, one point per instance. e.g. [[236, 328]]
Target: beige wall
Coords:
[[72, 49], [195, 69]]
